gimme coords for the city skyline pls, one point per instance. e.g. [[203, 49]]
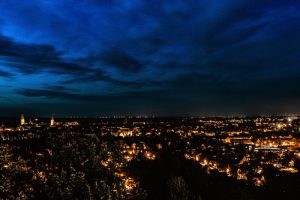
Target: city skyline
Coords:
[[161, 58], [146, 158]]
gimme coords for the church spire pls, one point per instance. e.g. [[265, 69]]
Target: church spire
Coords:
[[52, 122]]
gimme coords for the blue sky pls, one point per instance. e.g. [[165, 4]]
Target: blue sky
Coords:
[[134, 57]]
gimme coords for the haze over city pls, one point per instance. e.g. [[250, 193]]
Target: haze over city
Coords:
[[162, 58]]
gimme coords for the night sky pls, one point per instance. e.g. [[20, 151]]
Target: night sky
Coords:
[[151, 57]]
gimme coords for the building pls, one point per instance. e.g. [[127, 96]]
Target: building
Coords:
[[52, 122], [22, 120]]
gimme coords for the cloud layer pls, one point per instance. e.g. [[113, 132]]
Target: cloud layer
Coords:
[[150, 57]]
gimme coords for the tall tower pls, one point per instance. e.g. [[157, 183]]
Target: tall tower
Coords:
[[52, 122], [22, 120]]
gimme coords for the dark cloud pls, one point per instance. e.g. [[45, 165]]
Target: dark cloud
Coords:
[[5, 74], [30, 59], [58, 94], [35, 59], [120, 60], [169, 57], [68, 94], [126, 103]]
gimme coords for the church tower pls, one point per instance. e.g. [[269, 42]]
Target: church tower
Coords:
[[22, 120], [52, 122]]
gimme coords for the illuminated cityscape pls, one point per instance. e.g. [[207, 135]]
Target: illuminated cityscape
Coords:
[[125, 157], [149, 99]]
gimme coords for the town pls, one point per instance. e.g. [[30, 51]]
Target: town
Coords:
[[110, 157]]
